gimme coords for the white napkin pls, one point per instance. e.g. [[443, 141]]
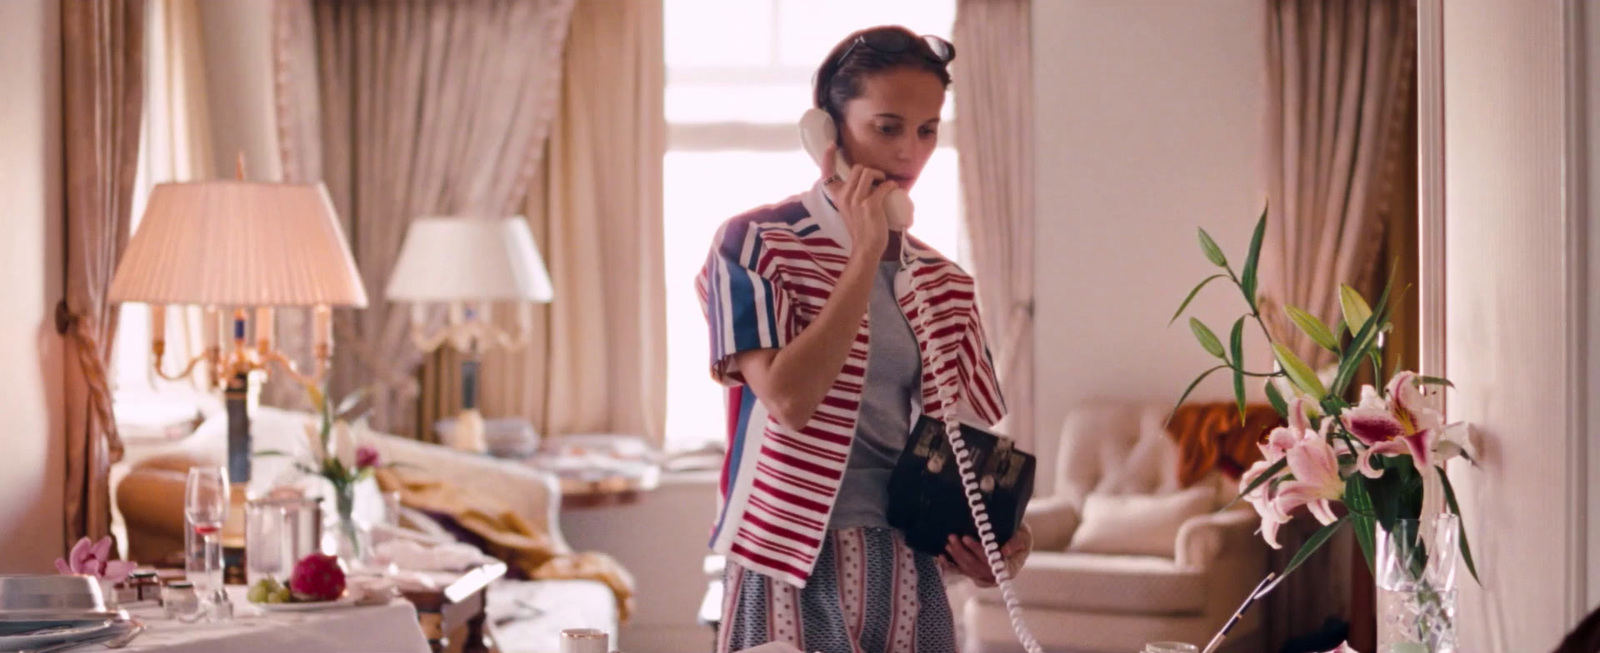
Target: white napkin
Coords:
[[448, 556]]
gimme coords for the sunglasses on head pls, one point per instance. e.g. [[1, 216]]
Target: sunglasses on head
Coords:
[[894, 41]]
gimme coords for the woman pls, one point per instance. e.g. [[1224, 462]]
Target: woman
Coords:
[[813, 305]]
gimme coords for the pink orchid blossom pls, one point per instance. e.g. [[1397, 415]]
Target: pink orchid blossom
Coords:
[[94, 559]]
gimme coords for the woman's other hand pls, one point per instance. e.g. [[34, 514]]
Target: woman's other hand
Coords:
[[966, 555]]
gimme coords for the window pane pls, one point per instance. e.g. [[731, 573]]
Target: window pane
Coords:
[[718, 33], [702, 190], [807, 29], [752, 103]]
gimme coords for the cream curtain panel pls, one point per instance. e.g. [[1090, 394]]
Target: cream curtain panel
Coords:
[[176, 146], [1339, 94], [102, 47], [1339, 91], [597, 363], [993, 80], [421, 108]]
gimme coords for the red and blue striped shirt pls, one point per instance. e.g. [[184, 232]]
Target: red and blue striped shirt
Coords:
[[768, 275]]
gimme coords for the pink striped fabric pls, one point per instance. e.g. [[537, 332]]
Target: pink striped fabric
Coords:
[[768, 275]]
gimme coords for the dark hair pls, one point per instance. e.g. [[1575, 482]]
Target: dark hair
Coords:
[[838, 82]]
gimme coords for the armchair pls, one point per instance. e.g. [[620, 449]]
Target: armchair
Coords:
[[1115, 602]]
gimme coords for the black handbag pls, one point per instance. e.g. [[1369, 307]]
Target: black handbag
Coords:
[[926, 496]]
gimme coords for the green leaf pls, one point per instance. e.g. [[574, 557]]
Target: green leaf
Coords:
[[1313, 327], [1365, 336], [1213, 253], [272, 453], [1276, 399], [1299, 372], [1356, 310], [1207, 338], [1434, 380], [1311, 545], [1340, 328], [1450, 499], [1272, 470], [1360, 504], [1236, 340], [1190, 389], [1248, 275], [1190, 298]]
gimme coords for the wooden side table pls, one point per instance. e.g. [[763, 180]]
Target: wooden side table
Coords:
[[453, 614]]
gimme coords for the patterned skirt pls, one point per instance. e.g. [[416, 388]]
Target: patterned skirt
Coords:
[[869, 593]]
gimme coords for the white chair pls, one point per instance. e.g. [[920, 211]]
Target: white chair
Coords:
[[1115, 602]]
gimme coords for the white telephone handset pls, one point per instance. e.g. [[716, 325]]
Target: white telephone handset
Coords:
[[817, 132]]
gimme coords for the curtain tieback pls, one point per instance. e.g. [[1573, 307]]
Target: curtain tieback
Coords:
[[87, 348]]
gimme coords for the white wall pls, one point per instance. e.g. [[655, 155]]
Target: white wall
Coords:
[[1516, 304], [1150, 123], [32, 469]]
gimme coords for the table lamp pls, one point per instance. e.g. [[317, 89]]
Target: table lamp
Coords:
[[466, 264], [239, 249]]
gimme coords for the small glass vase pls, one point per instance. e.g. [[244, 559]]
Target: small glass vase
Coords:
[[1415, 562], [352, 538]]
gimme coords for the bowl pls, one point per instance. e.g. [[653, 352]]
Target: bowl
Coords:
[[25, 596]]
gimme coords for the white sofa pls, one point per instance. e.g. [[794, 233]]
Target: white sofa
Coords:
[[1115, 603]]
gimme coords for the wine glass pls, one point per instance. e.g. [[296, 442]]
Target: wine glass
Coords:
[[205, 508]]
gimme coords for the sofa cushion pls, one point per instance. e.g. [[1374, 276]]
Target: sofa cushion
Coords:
[[1082, 582], [1137, 524]]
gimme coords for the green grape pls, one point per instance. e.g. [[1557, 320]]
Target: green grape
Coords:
[[258, 593]]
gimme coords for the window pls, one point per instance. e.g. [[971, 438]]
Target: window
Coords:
[[736, 86]]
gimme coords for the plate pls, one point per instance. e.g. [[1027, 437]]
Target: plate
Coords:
[[46, 617], [52, 635], [308, 606]]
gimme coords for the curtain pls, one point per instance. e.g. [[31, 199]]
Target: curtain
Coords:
[[994, 140], [422, 108], [176, 147], [1339, 94], [103, 87], [597, 362]]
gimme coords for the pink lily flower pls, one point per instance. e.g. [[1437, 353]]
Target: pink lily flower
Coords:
[[94, 559], [1316, 482], [1279, 443], [1261, 499], [1404, 420]]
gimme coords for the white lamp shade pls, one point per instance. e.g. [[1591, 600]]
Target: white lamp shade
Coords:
[[469, 259], [239, 243]]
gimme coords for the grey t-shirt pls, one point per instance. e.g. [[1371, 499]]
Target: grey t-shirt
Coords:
[[894, 379]]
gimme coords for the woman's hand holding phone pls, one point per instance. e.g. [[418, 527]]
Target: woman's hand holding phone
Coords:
[[859, 194]]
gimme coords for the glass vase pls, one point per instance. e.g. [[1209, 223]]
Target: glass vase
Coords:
[[352, 541], [1415, 561]]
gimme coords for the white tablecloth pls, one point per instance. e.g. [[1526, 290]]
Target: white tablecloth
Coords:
[[388, 628]]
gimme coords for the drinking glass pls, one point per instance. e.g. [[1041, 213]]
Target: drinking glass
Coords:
[[205, 508]]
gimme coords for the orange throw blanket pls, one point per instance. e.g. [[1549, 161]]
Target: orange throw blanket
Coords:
[[507, 535], [1209, 436]]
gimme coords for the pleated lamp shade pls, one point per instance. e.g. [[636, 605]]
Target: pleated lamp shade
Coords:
[[239, 243], [469, 259]]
